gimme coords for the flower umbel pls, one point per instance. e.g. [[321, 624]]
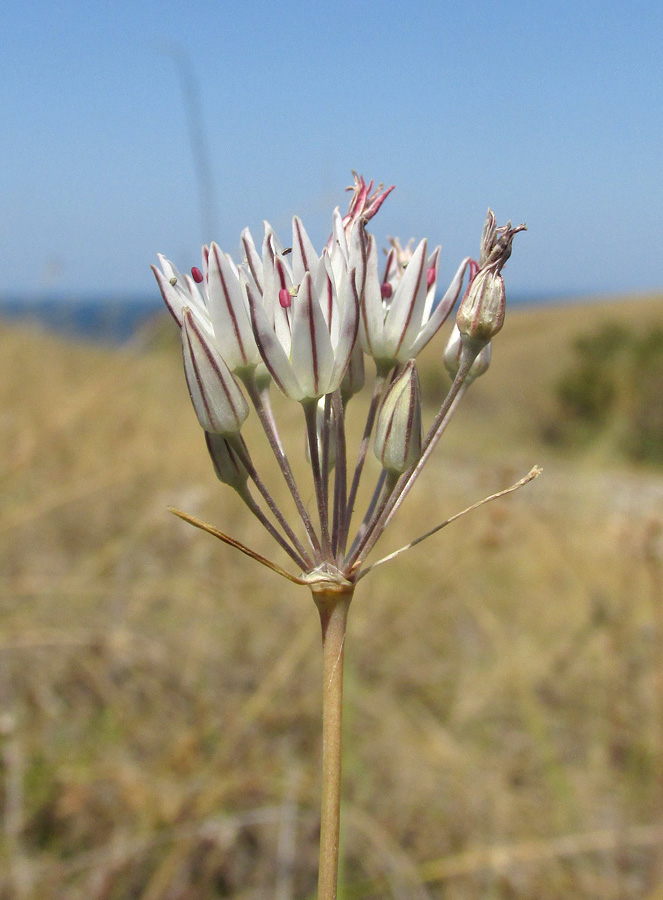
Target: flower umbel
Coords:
[[305, 321]]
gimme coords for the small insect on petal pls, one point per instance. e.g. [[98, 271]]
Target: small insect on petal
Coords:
[[196, 274], [386, 290], [285, 298]]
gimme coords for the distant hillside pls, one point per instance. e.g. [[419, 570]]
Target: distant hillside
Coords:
[[512, 405], [111, 321]]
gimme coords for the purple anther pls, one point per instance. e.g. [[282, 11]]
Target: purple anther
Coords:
[[196, 274], [386, 290], [284, 298]]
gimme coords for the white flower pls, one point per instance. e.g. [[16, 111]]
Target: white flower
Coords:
[[395, 325], [217, 303], [305, 323]]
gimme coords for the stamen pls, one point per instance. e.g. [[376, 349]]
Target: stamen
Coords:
[[386, 290], [196, 274], [285, 298], [430, 276]]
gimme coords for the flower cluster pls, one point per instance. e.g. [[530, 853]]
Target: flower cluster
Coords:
[[305, 323]]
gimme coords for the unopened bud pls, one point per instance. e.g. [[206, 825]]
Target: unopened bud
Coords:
[[215, 394], [227, 464], [398, 431], [452, 356], [354, 378]]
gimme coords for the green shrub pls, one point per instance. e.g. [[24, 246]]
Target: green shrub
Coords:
[[615, 385]]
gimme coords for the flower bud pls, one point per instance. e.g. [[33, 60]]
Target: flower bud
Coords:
[[452, 355], [227, 464], [216, 396], [354, 378], [398, 431]]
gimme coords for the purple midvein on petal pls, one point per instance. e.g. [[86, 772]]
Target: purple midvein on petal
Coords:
[[231, 309], [247, 253], [314, 349], [215, 367], [260, 343], [412, 302], [300, 241]]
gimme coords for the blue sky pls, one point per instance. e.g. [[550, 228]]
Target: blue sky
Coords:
[[551, 113]]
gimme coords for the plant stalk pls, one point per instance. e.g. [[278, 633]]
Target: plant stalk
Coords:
[[333, 604]]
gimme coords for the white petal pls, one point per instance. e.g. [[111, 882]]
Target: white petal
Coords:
[[434, 264], [347, 333], [229, 313], [404, 318], [304, 257], [282, 315], [253, 260], [338, 247], [390, 267], [325, 288], [271, 351], [272, 237], [216, 396], [371, 325], [358, 250], [171, 297], [441, 311], [178, 296], [311, 353]]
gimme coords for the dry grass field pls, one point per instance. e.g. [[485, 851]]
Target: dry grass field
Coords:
[[160, 696]]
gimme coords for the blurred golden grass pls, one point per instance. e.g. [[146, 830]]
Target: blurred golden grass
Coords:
[[159, 694]]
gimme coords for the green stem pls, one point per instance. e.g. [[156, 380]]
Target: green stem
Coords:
[[333, 605]]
